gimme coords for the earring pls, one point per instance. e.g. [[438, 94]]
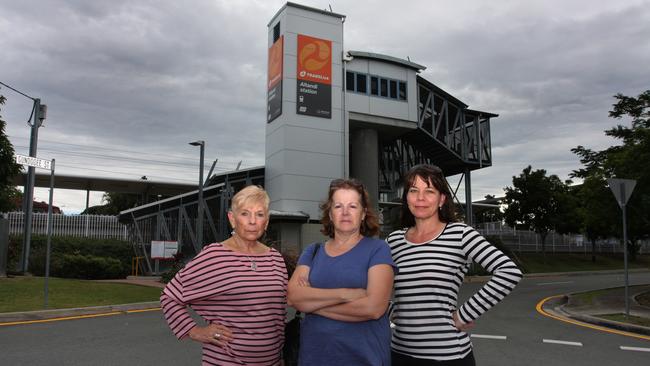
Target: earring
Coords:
[[232, 233]]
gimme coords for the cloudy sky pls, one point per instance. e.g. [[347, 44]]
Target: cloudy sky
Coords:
[[129, 83]]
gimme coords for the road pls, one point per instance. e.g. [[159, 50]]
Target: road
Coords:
[[513, 333]]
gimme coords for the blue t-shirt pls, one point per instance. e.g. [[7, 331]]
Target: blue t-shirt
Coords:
[[325, 341]]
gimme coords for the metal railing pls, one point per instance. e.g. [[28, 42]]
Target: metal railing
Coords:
[[86, 226], [528, 241]]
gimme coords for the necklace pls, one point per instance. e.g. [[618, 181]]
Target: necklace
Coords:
[[253, 264]]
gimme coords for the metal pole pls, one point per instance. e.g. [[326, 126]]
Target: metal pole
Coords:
[[199, 224], [29, 187], [627, 298], [49, 235]]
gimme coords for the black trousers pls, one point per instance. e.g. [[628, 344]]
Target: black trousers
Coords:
[[398, 359]]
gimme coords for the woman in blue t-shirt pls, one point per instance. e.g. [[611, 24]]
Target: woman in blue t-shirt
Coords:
[[344, 284]]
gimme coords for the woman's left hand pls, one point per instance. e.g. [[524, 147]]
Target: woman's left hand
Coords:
[[463, 327]]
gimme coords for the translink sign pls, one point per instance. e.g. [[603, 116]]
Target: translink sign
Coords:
[[35, 162]]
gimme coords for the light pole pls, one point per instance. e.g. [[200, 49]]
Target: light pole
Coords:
[[199, 223], [39, 113]]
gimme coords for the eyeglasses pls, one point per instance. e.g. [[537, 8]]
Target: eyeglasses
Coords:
[[338, 183]]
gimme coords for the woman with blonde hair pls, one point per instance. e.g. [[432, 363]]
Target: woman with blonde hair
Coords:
[[238, 287]]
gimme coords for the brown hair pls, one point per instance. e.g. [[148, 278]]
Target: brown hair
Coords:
[[433, 176], [369, 225]]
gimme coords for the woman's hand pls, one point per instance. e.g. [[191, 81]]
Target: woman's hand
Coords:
[[463, 327], [348, 294], [213, 333]]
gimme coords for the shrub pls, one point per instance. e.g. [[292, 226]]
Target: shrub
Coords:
[[87, 267], [112, 255]]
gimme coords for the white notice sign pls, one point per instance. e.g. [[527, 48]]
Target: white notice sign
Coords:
[[35, 162]]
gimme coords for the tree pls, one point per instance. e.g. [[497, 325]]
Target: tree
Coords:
[[539, 203], [488, 214], [8, 168], [628, 160], [115, 202], [596, 205]]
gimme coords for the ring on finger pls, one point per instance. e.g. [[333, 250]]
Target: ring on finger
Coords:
[[217, 335]]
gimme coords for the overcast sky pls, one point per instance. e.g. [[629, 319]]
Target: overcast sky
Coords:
[[129, 83]]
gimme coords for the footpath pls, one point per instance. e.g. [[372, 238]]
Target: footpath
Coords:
[[608, 301]]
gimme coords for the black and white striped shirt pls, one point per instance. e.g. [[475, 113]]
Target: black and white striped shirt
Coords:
[[427, 286]]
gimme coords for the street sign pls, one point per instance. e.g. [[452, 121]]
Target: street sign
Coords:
[[35, 162], [622, 189]]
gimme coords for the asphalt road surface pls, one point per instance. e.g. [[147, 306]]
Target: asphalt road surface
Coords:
[[513, 333]]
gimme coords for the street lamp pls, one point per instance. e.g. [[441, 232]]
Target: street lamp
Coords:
[[199, 224], [39, 113]]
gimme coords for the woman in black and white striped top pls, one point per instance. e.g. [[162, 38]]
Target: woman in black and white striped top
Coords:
[[433, 254]]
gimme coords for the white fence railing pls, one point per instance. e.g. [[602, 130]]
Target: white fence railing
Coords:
[[528, 241], [87, 226]]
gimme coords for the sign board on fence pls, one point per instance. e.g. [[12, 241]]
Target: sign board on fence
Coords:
[[163, 249], [35, 162], [622, 189]]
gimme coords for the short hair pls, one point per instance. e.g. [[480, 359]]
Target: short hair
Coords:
[[433, 176], [250, 194], [369, 225]]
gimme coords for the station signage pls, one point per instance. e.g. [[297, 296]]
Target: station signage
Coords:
[[274, 82], [314, 77]]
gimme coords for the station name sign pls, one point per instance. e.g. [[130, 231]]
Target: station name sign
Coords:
[[314, 77]]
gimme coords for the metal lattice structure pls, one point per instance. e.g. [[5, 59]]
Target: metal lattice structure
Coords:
[[175, 219]]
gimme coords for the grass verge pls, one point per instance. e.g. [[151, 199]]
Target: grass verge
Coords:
[[571, 262], [27, 293], [630, 320]]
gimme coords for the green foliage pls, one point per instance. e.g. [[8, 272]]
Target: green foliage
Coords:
[[115, 202], [628, 160], [8, 168], [87, 267], [488, 214], [540, 203], [111, 256], [179, 263]]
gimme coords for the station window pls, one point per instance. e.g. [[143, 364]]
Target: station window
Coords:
[[374, 85], [276, 32], [349, 81], [383, 87], [393, 89], [401, 95], [362, 83]]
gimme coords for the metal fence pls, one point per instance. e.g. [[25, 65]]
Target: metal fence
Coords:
[[528, 241], [86, 226]]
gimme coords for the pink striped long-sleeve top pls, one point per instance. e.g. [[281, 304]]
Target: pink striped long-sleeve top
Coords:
[[246, 293]]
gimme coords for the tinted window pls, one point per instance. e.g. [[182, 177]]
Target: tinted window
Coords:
[[393, 89], [362, 83], [402, 91], [374, 85], [349, 81], [276, 32], [384, 87]]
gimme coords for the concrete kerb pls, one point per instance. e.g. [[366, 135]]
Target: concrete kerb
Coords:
[[557, 307], [75, 312]]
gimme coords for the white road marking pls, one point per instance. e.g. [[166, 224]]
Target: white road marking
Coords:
[[553, 283], [579, 344], [488, 336], [640, 349]]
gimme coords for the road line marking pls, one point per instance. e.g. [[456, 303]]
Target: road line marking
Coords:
[[60, 319], [488, 336], [539, 309], [141, 310], [566, 343], [640, 349], [553, 283]]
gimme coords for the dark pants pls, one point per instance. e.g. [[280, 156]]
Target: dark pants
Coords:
[[398, 359]]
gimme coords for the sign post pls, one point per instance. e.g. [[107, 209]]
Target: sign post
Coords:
[[622, 189], [43, 164]]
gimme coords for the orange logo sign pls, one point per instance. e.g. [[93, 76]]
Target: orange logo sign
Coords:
[[314, 59]]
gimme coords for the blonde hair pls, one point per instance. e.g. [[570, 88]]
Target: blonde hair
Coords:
[[248, 195]]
